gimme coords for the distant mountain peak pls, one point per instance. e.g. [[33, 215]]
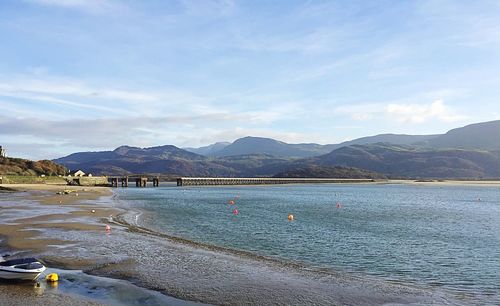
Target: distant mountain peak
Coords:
[[257, 138], [209, 150], [123, 150], [484, 135], [262, 145]]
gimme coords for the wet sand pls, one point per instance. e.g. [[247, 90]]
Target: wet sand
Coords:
[[68, 235], [23, 233], [446, 183], [28, 295], [22, 236]]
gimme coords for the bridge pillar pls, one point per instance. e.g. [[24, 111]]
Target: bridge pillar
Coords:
[[125, 181], [114, 182], [156, 182]]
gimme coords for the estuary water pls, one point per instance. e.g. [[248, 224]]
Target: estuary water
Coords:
[[433, 236]]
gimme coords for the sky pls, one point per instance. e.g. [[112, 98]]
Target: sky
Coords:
[[91, 75]]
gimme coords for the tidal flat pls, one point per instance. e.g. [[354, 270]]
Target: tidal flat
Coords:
[[63, 231]]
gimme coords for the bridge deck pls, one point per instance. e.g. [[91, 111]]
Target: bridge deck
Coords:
[[206, 181]]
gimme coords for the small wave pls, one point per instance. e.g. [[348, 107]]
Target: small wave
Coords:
[[122, 220]]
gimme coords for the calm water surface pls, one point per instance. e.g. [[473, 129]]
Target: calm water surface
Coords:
[[434, 236]]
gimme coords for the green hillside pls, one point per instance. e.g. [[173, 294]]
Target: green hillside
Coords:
[[315, 171], [406, 161]]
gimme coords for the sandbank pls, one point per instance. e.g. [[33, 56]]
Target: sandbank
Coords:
[[474, 183]]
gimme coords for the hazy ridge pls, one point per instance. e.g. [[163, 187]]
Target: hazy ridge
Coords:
[[471, 152]]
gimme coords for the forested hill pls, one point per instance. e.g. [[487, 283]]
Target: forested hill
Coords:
[[414, 162], [19, 166]]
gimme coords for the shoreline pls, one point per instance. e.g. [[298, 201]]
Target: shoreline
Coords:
[[249, 279], [78, 210], [485, 183], [21, 235]]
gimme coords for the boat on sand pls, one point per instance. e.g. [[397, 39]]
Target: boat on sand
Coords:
[[21, 269]]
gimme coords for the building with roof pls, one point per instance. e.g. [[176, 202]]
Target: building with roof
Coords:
[[78, 173]]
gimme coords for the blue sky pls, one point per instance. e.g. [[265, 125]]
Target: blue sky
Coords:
[[88, 75]]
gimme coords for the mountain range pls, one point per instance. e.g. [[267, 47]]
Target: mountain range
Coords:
[[125, 160], [408, 161], [260, 145], [469, 152]]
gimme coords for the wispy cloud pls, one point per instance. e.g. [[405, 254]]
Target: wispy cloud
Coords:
[[102, 132], [308, 41], [470, 24], [91, 6], [106, 134], [108, 100], [209, 8], [67, 86], [406, 110], [63, 103], [420, 113], [187, 72]]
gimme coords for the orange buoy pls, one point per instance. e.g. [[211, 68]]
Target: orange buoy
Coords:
[[290, 217], [231, 202]]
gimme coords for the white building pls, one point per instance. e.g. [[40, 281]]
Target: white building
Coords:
[[79, 173]]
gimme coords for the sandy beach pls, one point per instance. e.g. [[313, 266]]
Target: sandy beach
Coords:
[[63, 230]]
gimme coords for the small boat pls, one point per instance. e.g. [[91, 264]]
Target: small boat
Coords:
[[21, 269]]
